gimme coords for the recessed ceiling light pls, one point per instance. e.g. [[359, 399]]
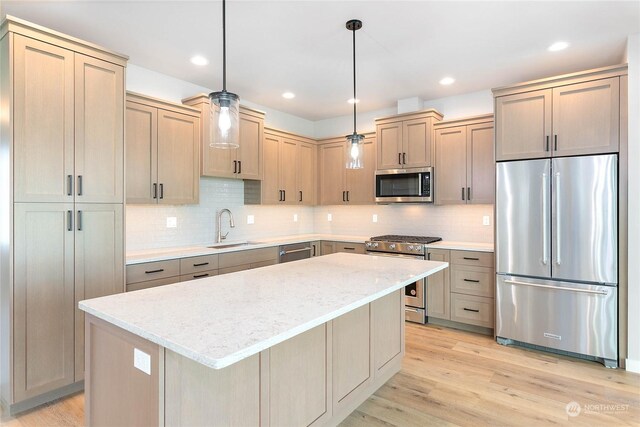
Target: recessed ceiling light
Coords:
[[353, 101], [447, 81], [288, 95], [558, 46], [199, 60]]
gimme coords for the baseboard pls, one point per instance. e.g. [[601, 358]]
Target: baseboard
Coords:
[[633, 366], [31, 403], [460, 326]]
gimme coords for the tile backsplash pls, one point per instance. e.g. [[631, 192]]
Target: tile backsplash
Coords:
[[196, 224]]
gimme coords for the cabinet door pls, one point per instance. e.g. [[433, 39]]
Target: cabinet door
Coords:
[[99, 131], [586, 118], [142, 154], [43, 122], [99, 262], [271, 190], [360, 182], [43, 298], [438, 287], [306, 174], [332, 174], [178, 142], [481, 168], [248, 156], [288, 166], [451, 163], [218, 162], [389, 140], [523, 125], [416, 143]]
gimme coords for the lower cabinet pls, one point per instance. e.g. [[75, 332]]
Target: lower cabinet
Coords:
[[329, 247], [438, 287]]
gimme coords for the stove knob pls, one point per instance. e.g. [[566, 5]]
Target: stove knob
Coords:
[[410, 247], [368, 244], [375, 244], [392, 246]]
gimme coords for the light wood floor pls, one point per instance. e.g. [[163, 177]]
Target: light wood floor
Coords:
[[457, 378]]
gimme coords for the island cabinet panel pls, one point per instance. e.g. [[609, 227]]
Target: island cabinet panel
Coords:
[[297, 386], [352, 368], [388, 335], [116, 392], [196, 395], [438, 287]]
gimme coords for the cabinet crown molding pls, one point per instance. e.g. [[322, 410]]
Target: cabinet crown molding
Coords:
[[431, 112], [161, 103], [563, 79], [464, 121], [29, 29], [203, 98]]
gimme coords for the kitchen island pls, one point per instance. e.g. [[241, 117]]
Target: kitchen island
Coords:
[[291, 344]]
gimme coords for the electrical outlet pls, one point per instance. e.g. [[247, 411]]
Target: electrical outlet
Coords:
[[172, 222], [142, 361], [295, 217], [374, 218], [329, 217], [251, 219], [486, 220]]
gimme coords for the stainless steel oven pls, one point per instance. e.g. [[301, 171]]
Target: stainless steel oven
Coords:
[[404, 186]]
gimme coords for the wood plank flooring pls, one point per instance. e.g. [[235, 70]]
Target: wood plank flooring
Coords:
[[455, 378]]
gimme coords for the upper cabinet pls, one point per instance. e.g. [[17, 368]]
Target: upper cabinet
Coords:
[[163, 146], [68, 125], [464, 161], [289, 171], [568, 115], [339, 185], [404, 141], [244, 162]]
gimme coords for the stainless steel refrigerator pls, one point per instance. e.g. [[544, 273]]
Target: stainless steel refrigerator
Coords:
[[557, 254]]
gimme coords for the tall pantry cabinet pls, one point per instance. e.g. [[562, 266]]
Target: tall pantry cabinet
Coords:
[[61, 204]]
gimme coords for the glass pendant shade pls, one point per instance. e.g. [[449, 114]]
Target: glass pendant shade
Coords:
[[355, 151], [225, 120]]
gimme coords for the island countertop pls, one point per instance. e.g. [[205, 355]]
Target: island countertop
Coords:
[[221, 320]]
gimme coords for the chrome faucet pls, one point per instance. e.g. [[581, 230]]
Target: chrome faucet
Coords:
[[221, 237]]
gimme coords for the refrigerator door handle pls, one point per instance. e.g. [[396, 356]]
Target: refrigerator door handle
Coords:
[[545, 220], [560, 288], [558, 217]]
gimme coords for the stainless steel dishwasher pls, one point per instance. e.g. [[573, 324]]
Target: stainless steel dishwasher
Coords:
[[295, 252]]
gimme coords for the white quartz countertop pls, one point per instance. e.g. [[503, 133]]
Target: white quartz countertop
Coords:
[[462, 246], [138, 257], [221, 320]]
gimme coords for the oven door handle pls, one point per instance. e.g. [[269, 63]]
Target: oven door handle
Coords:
[[394, 255]]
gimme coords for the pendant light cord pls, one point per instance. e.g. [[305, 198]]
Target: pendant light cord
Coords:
[[354, 80], [224, 47]]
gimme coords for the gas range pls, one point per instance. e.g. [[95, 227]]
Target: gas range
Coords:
[[411, 245]]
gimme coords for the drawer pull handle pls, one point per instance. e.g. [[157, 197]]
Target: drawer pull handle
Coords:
[[154, 271], [197, 276], [472, 281], [348, 249], [201, 264], [470, 309], [471, 259]]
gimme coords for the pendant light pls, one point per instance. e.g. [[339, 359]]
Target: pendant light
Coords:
[[225, 106], [355, 147]]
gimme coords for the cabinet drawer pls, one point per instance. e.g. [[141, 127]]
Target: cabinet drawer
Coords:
[[263, 263], [227, 270], [198, 275], [480, 259], [354, 248], [471, 280], [472, 310], [152, 283], [198, 264], [152, 270], [232, 259]]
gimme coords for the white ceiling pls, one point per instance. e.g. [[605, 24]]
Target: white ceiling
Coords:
[[404, 48]]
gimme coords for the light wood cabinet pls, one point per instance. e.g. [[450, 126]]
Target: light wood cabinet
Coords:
[[573, 114], [62, 145], [244, 162], [307, 179], [163, 143], [339, 185], [438, 287], [68, 125], [465, 169], [404, 141]]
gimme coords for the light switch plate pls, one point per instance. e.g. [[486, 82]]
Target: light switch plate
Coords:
[[251, 219], [295, 217], [329, 217], [142, 361], [374, 218], [486, 220], [172, 222]]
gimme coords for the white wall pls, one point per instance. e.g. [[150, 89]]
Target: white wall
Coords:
[[633, 59]]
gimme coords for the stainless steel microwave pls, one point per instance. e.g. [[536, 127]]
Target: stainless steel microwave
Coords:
[[404, 186]]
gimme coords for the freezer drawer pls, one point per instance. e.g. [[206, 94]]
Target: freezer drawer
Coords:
[[560, 315]]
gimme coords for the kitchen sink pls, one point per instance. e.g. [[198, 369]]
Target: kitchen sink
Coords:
[[228, 245]]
